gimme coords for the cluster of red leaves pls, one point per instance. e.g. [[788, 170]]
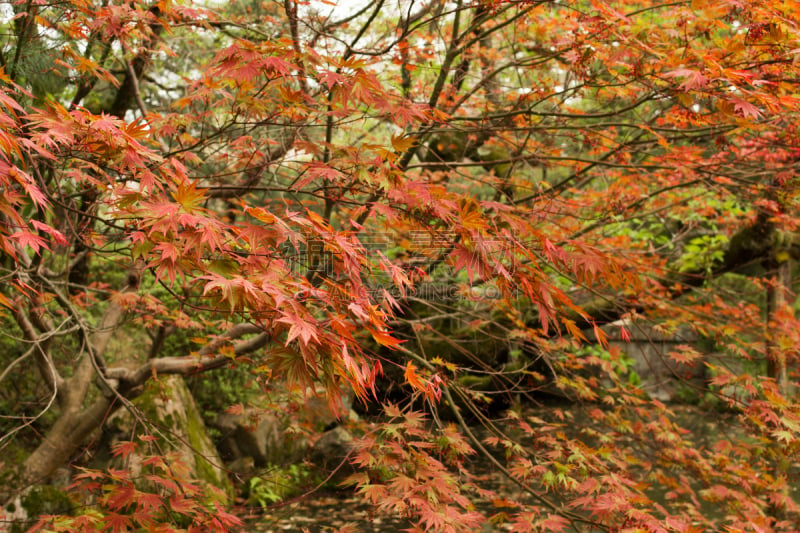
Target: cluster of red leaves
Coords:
[[408, 471], [159, 495]]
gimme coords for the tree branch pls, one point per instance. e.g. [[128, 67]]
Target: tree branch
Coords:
[[206, 359]]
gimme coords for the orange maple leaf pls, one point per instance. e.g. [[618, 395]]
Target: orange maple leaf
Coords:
[[413, 378]]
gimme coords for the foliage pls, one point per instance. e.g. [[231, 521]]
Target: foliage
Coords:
[[407, 472], [122, 505], [436, 205], [278, 484], [618, 364]]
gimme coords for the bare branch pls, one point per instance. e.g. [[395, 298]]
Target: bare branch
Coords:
[[41, 345], [136, 92], [206, 359]]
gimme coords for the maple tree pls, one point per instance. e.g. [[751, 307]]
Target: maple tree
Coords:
[[446, 199]]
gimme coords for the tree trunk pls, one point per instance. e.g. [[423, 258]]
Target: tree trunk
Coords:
[[63, 440], [777, 298]]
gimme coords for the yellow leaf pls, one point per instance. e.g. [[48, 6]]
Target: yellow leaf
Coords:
[[735, 44], [777, 34], [403, 143], [725, 107], [685, 99], [438, 361], [261, 214]]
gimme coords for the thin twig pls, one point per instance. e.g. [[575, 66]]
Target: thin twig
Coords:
[[136, 93]]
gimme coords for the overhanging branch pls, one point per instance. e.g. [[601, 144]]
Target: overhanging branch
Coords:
[[206, 359]]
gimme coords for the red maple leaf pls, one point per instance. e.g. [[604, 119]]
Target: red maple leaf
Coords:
[[694, 79], [466, 259], [116, 522], [316, 170], [57, 236], [278, 65], [26, 238], [121, 496], [745, 108], [330, 78], [299, 328]]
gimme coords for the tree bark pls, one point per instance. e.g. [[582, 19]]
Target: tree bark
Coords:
[[63, 440], [777, 298]]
